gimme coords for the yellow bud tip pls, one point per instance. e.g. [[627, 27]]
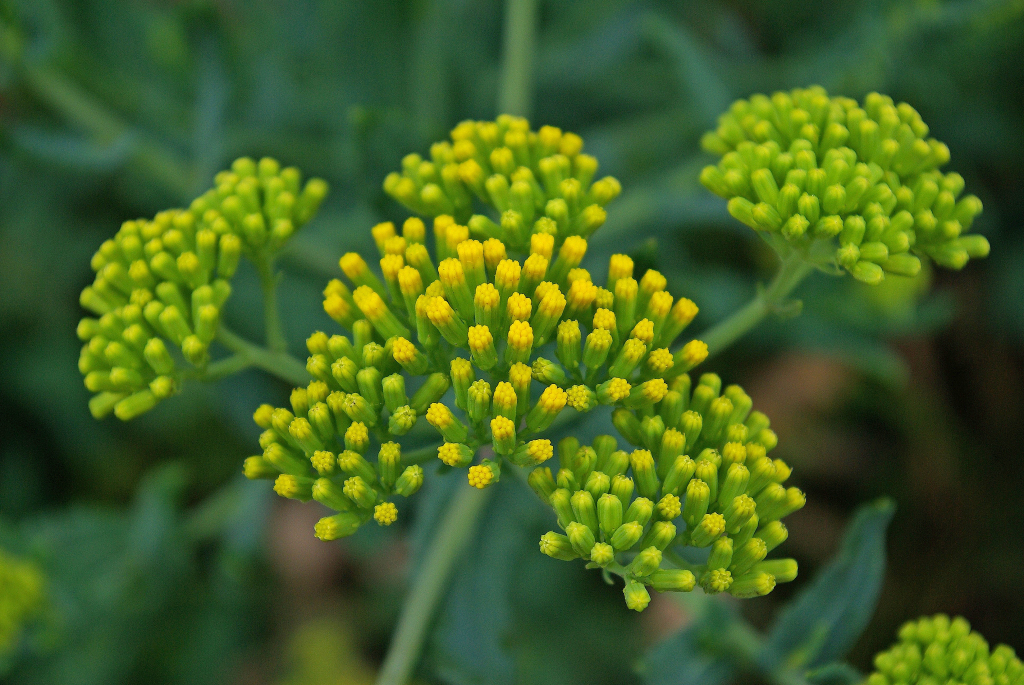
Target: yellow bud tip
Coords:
[[455, 235], [540, 450], [471, 254], [718, 580], [409, 280], [435, 289], [479, 339], [553, 399], [643, 331], [494, 252], [634, 350], [507, 274], [578, 397], [451, 272], [553, 302], [519, 307], [286, 486], [413, 230], [660, 304], [582, 293], [620, 266], [486, 297], [439, 311], [385, 513], [684, 311], [391, 264], [403, 350], [439, 416], [713, 524], [694, 352], [542, 244], [449, 453], [520, 335], [357, 433], [660, 360], [480, 476], [618, 389], [352, 265], [369, 302], [604, 319], [520, 375], [669, 507], [655, 389], [337, 307], [573, 249], [626, 288], [504, 396], [462, 369], [502, 428], [535, 267]]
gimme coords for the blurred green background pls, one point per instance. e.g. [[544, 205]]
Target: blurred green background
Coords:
[[163, 566]]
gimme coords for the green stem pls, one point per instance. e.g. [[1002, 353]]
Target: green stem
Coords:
[[272, 332], [453, 532], [223, 368], [517, 62], [793, 270], [280, 364]]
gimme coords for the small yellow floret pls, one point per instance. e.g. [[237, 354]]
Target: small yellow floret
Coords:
[[455, 235], [582, 293], [451, 272], [618, 389], [718, 580], [573, 249], [337, 307], [352, 265], [660, 303], [578, 274], [471, 254], [520, 375], [385, 513], [439, 311], [409, 281], [694, 352], [357, 434], [570, 145], [416, 255], [494, 252], [643, 330], [435, 289], [439, 416], [620, 266], [480, 339], [713, 524], [734, 452], [461, 370], [390, 265], [626, 288], [553, 302], [395, 245], [480, 476], [381, 232], [335, 287], [323, 461], [542, 244], [535, 267], [507, 274], [449, 453], [553, 399], [604, 298], [369, 302], [579, 397], [653, 281], [634, 350], [669, 507], [684, 311], [655, 389], [287, 486], [502, 428], [403, 350], [413, 230], [660, 360], [604, 319], [542, 289], [520, 335], [486, 297], [539, 450], [519, 307], [504, 396]]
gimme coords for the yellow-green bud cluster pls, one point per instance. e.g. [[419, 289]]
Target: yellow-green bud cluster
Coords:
[[854, 185], [21, 598], [318, 448], [161, 284], [935, 649], [622, 510], [533, 181]]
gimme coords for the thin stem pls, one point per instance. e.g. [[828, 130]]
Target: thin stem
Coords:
[[517, 62], [793, 270], [223, 368], [280, 364], [453, 532], [272, 331]]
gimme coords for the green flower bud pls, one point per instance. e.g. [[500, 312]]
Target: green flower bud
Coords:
[[691, 424], [566, 479], [695, 506], [626, 535], [609, 513], [557, 547], [584, 509], [568, 348], [560, 501], [462, 377], [752, 584], [583, 462], [259, 468], [322, 421], [715, 581], [672, 580], [393, 388], [478, 401], [640, 510], [324, 462], [357, 490], [330, 494], [602, 554], [738, 513], [388, 462], [748, 554], [784, 570], [622, 487], [294, 487], [709, 529], [721, 554], [410, 481], [637, 597], [652, 428], [678, 475], [548, 372], [542, 483], [402, 420], [337, 526], [285, 460], [646, 562], [660, 535], [357, 437], [597, 484], [644, 472], [430, 392], [581, 538], [773, 534]]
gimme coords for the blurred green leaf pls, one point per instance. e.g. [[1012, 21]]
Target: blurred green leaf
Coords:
[[693, 656], [838, 673]]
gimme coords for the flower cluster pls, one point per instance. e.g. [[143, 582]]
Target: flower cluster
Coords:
[[161, 284], [21, 598], [536, 181], [939, 650], [629, 511], [853, 186]]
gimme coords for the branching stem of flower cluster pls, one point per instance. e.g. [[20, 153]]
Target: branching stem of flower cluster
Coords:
[[793, 270], [280, 364], [273, 332], [430, 583]]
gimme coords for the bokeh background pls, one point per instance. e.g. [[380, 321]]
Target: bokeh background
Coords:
[[163, 566]]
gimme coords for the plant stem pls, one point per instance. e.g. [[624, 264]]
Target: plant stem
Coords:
[[453, 532], [272, 331], [793, 270], [517, 62], [223, 368], [280, 364]]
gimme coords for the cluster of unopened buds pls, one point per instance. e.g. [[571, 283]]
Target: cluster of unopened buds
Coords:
[[161, 284], [936, 649], [855, 187]]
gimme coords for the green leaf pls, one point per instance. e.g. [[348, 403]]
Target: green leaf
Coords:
[[837, 673], [690, 657], [824, 621]]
